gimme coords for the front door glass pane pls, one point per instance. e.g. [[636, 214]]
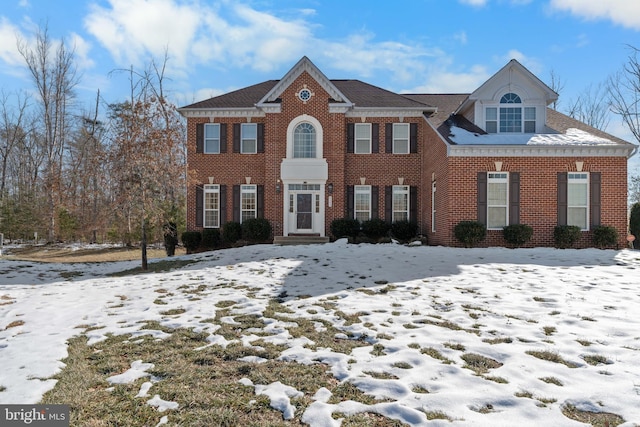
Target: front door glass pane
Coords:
[[304, 211]]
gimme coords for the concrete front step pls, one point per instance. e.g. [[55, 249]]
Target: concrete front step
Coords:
[[299, 240]]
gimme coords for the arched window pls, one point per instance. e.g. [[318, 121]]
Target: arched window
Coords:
[[304, 141], [510, 98]]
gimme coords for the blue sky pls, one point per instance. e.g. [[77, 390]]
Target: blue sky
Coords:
[[405, 46]]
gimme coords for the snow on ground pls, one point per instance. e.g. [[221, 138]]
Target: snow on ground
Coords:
[[499, 303]]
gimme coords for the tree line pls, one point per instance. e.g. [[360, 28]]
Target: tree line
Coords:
[[115, 171]]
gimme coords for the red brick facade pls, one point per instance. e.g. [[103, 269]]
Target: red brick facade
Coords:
[[455, 177]]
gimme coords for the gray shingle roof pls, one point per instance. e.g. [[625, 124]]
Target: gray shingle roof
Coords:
[[360, 93]]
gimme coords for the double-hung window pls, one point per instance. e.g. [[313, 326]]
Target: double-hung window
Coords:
[[212, 206], [578, 199], [510, 116], [362, 205], [400, 203], [248, 202], [401, 138], [497, 199], [249, 138], [212, 138], [362, 138]]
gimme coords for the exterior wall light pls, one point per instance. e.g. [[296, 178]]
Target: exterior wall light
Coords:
[[330, 188], [278, 187]]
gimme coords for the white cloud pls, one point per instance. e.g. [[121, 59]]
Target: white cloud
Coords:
[[532, 64], [622, 12], [475, 3], [441, 80], [8, 43], [461, 36]]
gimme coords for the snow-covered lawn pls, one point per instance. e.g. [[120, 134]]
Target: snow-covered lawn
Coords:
[[487, 336]]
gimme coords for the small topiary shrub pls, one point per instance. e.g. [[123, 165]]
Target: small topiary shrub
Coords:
[[566, 236], [404, 230], [605, 236], [231, 231], [470, 233], [170, 231], [375, 228], [256, 230], [517, 234], [210, 238], [191, 240], [345, 227]]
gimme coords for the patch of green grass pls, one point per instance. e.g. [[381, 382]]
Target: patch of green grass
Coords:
[[495, 379], [378, 350], [503, 340], [478, 363], [419, 389], [549, 330], [455, 346], [173, 312], [437, 415], [596, 359], [381, 375], [367, 419], [584, 343], [596, 419], [551, 356], [402, 365], [154, 267], [430, 351], [552, 380]]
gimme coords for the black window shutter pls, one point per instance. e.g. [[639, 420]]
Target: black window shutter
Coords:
[[514, 198], [413, 137], [413, 204], [388, 204], [375, 204], [388, 138], [350, 202], [562, 198], [236, 137], [260, 147], [200, 138], [350, 137], [260, 201], [595, 198], [482, 197], [223, 137], [236, 203], [375, 135], [223, 204], [199, 206]]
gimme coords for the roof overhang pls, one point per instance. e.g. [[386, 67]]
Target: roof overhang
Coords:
[[222, 112], [540, 151]]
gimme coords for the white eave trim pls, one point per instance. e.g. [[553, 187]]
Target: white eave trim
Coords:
[[539, 151], [387, 112], [222, 112]]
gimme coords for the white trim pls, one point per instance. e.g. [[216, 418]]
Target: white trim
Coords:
[[217, 112], [305, 118], [541, 151], [388, 112]]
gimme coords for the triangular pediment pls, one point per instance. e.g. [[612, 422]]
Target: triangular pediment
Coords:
[[304, 64], [513, 77]]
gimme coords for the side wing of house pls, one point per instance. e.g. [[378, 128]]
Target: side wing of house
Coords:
[[516, 161]]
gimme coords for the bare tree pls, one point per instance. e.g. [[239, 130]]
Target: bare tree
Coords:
[[624, 93], [592, 107], [147, 152], [557, 85], [52, 69]]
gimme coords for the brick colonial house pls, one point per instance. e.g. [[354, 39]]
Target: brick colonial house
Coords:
[[304, 150]]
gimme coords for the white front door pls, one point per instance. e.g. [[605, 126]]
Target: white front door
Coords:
[[305, 213]]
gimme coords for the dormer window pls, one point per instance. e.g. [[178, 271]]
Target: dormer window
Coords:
[[511, 116]]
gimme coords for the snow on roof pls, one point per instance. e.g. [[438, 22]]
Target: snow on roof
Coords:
[[573, 136]]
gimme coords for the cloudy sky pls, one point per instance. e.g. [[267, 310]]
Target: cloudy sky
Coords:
[[409, 46]]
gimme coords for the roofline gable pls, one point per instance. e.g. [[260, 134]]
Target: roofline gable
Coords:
[[304, 64], [550, 96]]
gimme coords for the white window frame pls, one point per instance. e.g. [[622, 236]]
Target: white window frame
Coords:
[[362, 139], [301, 150], [213, 139], [576, 180], [246, 139], [397, 140], [401, 195], [495, 179], [249, 194], [362, 210], [211, 195], [495, 116], [433, 206]]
